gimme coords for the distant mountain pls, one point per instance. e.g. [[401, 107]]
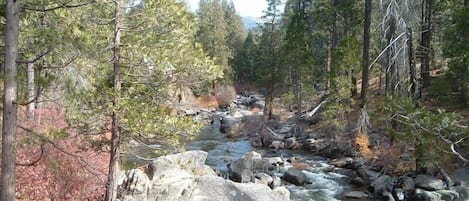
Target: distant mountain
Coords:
[[250, 22]]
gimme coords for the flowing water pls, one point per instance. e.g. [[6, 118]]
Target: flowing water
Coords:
[[325, 186]]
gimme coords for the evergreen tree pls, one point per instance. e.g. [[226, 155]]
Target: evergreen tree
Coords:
[[213, 31], [235, 27], [270, 43], [298, 58], [247, 59], [153, 52], [456, 49]]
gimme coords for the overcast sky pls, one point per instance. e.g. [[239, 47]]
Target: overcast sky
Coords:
[[245, 8]]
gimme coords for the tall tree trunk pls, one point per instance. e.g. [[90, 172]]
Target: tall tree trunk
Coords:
[[366, 51], [10, 97], [354, 90], [273, 72], [111, 191], [426, 38], [329, 62], [413, 73], [299, 95], [269, 97], [31, 90], [391, 67], [331, 45], [39, 88]]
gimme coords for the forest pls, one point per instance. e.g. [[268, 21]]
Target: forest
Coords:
[[378, 89]]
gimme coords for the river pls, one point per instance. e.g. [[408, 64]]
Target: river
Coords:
[[324, 186]]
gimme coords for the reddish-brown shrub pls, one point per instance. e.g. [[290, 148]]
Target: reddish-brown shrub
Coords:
[[363, 143], [225, 95], [68, 169], [207, 102]]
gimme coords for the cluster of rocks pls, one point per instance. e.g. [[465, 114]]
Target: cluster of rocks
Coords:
[[421, 187], [233, 120], [185, 176], [253, 168]]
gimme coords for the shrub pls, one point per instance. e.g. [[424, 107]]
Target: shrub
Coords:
[[68, 169], [225, 95], [362, 142]]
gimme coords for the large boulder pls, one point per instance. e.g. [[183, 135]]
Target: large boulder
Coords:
[[209, 188], [233, 125], [428, 182], [242, 170], [263, 178], [134, 184], [295, 176], [356, 195], [382, 184], [185, 177], [457, 193]]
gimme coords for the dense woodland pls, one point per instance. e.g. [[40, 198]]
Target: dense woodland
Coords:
[[82, 78]]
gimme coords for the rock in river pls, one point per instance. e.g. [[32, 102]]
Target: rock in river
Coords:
[[185, 177], [295, 176]]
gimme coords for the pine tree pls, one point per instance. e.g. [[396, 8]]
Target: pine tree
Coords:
[[213, 31], [456, 49], [153, 53], [270, 53]]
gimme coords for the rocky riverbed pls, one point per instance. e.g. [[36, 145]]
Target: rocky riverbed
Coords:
[[230, 167]]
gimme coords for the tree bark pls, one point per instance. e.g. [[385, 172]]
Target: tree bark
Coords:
[[31, 90], [111, 190], [426, 38], [39, 88], [413, 74], [391, 68], [10, 95], [366, 51], [268, 103], [299, 96], [331, 46], [273, 71]]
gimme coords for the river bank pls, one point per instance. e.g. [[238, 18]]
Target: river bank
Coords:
[[310, 166]]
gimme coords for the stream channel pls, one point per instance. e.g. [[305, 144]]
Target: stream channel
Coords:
[[324, 186]]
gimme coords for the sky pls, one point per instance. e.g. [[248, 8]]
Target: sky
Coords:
[[245, 8]]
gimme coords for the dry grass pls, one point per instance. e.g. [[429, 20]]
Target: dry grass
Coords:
[[362, 142], [225, 95], [389, 159], [207, 102]]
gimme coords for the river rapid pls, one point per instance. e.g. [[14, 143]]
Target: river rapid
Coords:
[[324, 185]]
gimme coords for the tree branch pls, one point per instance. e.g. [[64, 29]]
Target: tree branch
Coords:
[[63, 5], [35, 161], [49, 49], [79, 158]]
